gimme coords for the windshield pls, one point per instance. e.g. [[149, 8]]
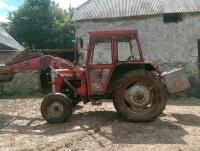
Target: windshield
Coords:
[[102, 47]]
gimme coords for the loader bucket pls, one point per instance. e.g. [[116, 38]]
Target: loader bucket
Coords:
[[176, 81]]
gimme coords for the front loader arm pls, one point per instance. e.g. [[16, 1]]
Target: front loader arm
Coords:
[[38, 63]]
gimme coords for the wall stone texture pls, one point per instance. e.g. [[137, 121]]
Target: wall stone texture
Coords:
[[165, 44], [22, 83]]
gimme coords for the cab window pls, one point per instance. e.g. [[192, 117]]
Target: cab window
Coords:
[[128, 49], [102, 51]]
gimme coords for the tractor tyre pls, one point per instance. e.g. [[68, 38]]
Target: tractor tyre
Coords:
[[56, 108], [140, 96]]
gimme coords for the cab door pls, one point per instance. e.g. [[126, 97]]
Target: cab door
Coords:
[[100, 65]]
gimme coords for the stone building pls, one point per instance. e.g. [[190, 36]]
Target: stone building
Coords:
[[169, 29]]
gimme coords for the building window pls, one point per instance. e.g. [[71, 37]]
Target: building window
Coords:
[[172, 18]]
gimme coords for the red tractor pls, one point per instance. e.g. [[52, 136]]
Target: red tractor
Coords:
[[115, 69]]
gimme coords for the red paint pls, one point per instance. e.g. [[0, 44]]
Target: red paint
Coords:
[[113, 33]]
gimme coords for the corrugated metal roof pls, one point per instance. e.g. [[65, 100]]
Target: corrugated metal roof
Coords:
[[8, 42], [99, 9]]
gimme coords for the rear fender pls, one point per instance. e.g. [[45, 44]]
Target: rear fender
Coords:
[[122, 69]]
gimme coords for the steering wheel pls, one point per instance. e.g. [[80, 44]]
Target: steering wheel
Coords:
[[131, 58]]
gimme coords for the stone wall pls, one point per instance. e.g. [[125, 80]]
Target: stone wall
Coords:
[[171, 44], [22, 83]]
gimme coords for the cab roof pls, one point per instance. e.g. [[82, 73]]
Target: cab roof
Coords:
[[113, 32]]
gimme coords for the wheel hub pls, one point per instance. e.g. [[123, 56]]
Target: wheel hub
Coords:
[[138, 95], [55, 109]]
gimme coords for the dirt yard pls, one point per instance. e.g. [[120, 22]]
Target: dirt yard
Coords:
[[98, 128]]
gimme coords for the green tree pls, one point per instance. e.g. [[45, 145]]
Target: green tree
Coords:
[[5, 26], [42, 24], [63, 28]]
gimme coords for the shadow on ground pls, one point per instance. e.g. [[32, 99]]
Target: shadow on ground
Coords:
[[187, 119], [106, 124]]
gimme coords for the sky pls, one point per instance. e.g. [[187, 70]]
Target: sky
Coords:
[[11, 5]]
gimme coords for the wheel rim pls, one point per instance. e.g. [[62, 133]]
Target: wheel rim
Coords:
[[139, 97], [55, 109]]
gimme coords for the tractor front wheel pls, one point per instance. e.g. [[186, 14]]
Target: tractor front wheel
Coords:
[[140, 96], [56, 108]]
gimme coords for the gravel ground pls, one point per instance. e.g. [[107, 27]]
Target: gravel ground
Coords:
[[98, 128]]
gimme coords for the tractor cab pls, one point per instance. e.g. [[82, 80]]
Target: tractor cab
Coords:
[[108, 53], [110, 47]]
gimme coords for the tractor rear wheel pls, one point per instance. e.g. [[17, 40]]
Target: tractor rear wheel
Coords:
[[56, 108], [140, 96]]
